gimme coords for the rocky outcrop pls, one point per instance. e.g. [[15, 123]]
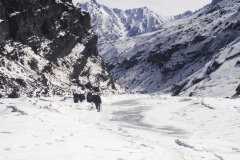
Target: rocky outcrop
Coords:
[[46, 46], [31, 22]]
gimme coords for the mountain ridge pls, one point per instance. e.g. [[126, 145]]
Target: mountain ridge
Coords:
[[113, 23], [181, 58]]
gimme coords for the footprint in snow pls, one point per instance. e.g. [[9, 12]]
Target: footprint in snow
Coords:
[[7, 149], [21, 147], [4, 132], [89, 146], [112, 150], [236, 149], [59, 140], [144, 145]]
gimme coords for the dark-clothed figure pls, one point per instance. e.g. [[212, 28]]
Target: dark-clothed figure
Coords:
[[96, 99]]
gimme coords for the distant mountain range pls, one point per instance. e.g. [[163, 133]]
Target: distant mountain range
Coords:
[[193, 56], [112, 23]]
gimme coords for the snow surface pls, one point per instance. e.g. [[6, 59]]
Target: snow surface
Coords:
[[130, 127]]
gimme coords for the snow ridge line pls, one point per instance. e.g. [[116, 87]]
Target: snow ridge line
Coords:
[[219, 157], [14, 109], [206, 105], [237, 109], [181, 143]]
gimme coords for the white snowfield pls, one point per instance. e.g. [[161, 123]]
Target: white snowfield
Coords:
[[131, 127]]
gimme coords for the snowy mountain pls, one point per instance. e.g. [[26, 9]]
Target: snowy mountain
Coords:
[[47, 48], [112, 24], [195, 56], [183, 15]]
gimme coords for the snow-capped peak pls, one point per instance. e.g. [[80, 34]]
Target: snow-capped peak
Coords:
[[113, 23], [183, 15], [93, 1], [222, 3]]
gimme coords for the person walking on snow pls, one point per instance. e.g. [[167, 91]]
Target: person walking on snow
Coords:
[[96, 99]]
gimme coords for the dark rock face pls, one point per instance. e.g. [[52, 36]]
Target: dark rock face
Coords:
[[14, 94], [197, 80], [238, 90], [176, 89], [214, 66], [45, 44], [130, 63], [26, 20], [161, 57]]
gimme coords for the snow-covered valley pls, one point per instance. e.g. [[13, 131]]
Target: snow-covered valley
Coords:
[[130, 127], [49, 52], [193, 56]]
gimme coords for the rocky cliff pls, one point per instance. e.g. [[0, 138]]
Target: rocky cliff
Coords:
[[47, 47]]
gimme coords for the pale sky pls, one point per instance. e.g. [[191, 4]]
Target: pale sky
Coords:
[[165, 7]]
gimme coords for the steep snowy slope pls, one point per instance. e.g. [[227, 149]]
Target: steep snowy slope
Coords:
[[199, 52], [46, 47], [112, 24]]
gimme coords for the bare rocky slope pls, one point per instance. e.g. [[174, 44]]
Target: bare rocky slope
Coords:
[[47, 48], [194, 56]]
